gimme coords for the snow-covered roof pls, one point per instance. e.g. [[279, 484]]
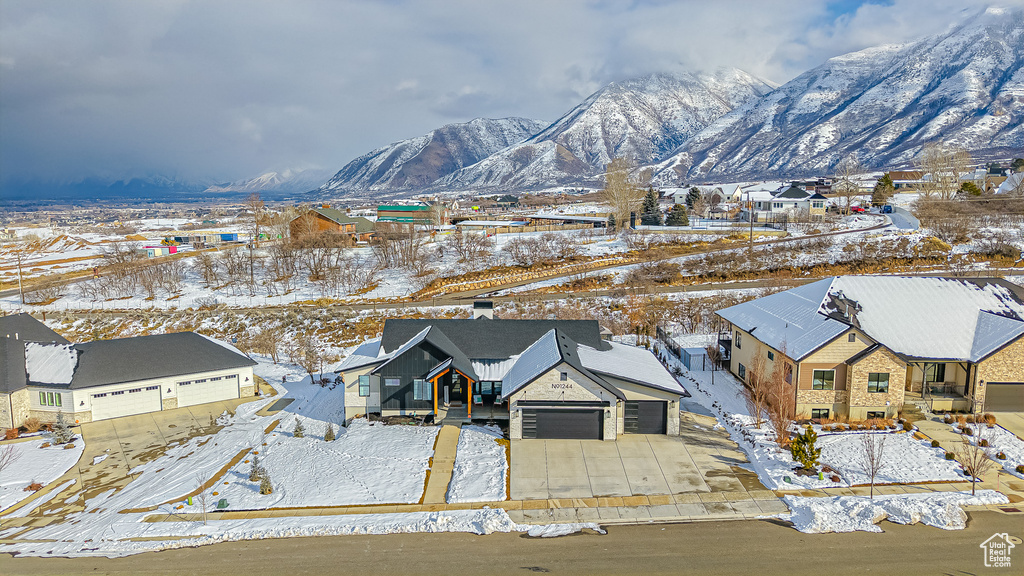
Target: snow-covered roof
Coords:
[[933, 318], [495, 223], [942, 318], [1012, 181], [493, 370], [534, 361], [50, 363], [367, 353], [630, 363], [788, 319]]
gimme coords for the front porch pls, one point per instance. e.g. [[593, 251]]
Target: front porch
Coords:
[[460, 414], [941, 386]]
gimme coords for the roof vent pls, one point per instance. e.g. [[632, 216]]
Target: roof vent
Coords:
[[483, 309]]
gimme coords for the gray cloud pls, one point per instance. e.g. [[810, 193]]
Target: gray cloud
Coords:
[[223, 89]]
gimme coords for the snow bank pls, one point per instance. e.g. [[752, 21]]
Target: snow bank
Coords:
[[858, 513], [480, 467], [35, 464]]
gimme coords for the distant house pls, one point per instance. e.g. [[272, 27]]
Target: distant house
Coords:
[[421, 214], [548, 378], [320, 220], [790, 203], [906, 179], [43, 373], [862, 346]]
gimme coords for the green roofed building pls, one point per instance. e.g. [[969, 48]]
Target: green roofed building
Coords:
[[411, 214]]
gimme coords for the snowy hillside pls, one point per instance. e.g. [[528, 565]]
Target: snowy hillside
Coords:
[[643, 119], [418, 162], [965, 86], [286, 181]]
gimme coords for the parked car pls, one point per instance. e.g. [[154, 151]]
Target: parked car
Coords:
[[887, 209], [857, 209]]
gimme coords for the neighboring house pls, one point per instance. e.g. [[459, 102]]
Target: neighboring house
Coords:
[[790, 203], [43, 373], [549, 378], [818, 186], [320, 220], [861, 346], [906, 180], [1013, 184]]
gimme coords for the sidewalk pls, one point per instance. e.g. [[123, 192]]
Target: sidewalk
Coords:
[[441, 465]]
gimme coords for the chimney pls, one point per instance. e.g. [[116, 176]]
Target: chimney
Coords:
[[483, 308]]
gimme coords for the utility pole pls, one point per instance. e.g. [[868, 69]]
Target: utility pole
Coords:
[[21, 290], [750, 215]]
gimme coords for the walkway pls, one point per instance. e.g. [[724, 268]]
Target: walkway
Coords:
[[441, 465]]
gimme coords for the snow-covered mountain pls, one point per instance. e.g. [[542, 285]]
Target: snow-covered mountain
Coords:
[[286, 181], [964, 87], [418, 162], [643, 118]]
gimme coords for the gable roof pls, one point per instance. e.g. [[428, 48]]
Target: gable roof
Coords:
[[486, 338], [365, 354], [794, 193], [917, 317], [630, 363], [147, 357], [788, 320], [27, 328], [362, 224], [437, 339], [550, 350]]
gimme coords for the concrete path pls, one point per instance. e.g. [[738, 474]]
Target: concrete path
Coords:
[[441, 465]]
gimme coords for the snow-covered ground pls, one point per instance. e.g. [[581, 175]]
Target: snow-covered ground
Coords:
[[1001, 440], [481, 466], [34, 464], [907, 459], [859, 513]]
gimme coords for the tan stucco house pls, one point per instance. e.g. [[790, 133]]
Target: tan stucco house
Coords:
[[862, 346]]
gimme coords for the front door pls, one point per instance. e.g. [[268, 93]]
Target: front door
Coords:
[[457, 392]]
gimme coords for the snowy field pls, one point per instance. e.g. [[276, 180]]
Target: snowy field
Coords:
[[34, 464], [908, 459], [481, 466]]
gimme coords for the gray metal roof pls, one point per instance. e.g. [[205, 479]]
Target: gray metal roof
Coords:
[[548, 351], [145, 357], [485, 338]]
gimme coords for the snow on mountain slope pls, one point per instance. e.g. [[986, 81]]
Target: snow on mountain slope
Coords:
[[643, 118], [286, 181], [418, 162], [965, 87]]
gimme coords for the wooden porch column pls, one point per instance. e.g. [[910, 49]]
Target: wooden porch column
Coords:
[[434, 382]]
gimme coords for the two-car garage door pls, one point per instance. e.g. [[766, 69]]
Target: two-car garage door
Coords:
[[125, 402], [568, 423], [205, 390]]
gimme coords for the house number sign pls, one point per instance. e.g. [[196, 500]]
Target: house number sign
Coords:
[[561, 385]]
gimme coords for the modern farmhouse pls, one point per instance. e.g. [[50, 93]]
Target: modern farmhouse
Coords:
[[549, 378]]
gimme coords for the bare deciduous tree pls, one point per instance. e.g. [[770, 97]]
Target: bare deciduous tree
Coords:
[[973, 457], [945, 168], [781, 397], [7, 456], [873, 457], [202, 498], [257, 213], [621, 192], [845, 185], [755, 391]]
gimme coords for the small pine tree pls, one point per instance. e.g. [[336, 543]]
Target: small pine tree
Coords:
[[61, 431], [255, 471], [265, 486], [329, 434], [803, 448], [650, 215], [692, 196], [970, 188], [884, 189], [611, 221], [677, 216], [300, 431]]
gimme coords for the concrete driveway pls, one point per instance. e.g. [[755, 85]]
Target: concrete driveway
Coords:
[[699, 460], [1012, 421]]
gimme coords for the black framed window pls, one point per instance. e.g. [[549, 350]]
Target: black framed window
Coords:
[[852, 337], [771, 355], [878, 382], [739, 341], [876, 415], [934, 372], [743, 372], [824, 380], [819, 413], [392, 382]]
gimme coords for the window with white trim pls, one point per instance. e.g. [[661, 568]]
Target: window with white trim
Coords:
[[421, 389], [364, 385]]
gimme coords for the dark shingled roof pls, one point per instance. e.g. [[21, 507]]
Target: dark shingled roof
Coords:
[[146, 357], [28, 328], [12, 351], [486, 338], [437, 339]]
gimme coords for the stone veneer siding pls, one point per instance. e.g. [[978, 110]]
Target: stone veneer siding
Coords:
[[881, 360], [169, 403], [547, 387], [1006, 365]]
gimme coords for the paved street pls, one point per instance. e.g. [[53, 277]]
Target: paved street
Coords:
[[763, 548]]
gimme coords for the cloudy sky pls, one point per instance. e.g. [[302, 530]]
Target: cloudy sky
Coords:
[[221, 90]]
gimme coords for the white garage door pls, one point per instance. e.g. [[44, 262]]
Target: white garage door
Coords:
[[125, 402], [204, 390]]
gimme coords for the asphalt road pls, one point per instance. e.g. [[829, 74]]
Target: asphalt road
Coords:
[[761, 548]]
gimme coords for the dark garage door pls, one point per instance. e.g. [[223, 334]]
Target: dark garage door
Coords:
[[1004, 397], [645, 417], [569, 424]]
